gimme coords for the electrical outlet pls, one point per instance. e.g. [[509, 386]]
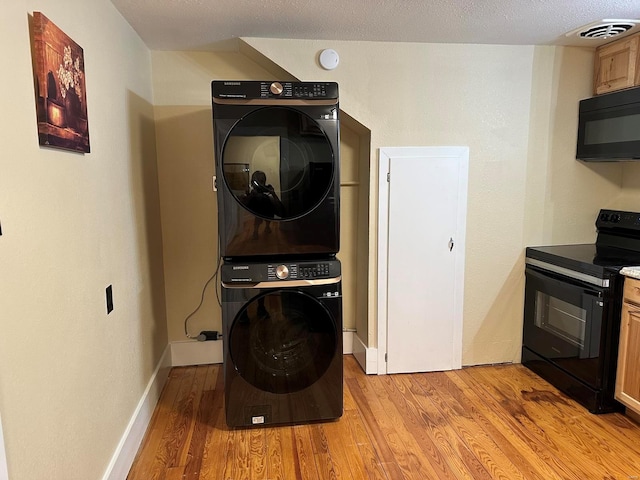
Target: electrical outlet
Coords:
[[109, 299]]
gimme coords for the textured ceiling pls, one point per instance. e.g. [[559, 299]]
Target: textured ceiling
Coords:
[[209, 24]]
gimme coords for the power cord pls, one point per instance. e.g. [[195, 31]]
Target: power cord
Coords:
[[206, 335]]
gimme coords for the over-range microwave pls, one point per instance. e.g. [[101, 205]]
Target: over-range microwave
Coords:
[[609, 127]]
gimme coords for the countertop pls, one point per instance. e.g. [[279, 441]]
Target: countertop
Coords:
[[633, 272]]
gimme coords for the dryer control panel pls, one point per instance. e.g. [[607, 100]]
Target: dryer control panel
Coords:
[[274, 89], [272, 272]]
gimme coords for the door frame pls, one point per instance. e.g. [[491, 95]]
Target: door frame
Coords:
[[458, 153], [4, 472]]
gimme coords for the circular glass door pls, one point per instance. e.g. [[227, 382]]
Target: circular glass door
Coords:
[[283, 341], [278, 163]]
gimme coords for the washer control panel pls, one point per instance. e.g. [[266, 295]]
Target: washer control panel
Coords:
[[315, 270], [300, 271], [279, 272]]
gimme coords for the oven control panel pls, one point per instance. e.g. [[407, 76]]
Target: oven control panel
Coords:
[[615, 219]]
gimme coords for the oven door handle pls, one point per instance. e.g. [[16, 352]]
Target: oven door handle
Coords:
[[583, 277], [591, 348]]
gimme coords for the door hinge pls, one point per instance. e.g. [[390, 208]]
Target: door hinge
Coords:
[[385, 357], [388, 177], [215, 183]]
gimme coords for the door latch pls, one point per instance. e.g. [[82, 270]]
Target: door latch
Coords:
[[450, 244]]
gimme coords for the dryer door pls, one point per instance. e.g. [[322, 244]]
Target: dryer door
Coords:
[[278, 163], [283, 341]]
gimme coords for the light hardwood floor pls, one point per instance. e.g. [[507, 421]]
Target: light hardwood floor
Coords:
[[494, 422]]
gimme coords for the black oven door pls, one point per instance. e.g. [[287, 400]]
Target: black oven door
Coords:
[[563, 321]]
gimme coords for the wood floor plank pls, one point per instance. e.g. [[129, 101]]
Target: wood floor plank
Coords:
[[168, 444], [371, 462], [378, 429], [322, 454], [258, 453], [410, 456], [613, 423], [174, 473], [280, 458], [460, 459], [159, 422], [214, 452], [490, 455], [203, 420], [343, 448], [592, 430], [305, 462], [544, 410], [516, 445], [189, 419], [414, 425], [519, 427], [479, 423]]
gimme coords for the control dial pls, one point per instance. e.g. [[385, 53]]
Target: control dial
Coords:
[[276, 88], [282, 272]]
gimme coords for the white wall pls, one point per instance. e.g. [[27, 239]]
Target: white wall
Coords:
[[72, 224], [516, 108]]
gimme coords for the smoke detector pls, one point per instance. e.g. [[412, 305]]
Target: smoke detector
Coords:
[[606, 28]]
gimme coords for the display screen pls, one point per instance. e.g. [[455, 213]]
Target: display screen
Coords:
[[613, 130]]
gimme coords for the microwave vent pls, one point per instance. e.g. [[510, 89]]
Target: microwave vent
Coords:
[[603, 29]]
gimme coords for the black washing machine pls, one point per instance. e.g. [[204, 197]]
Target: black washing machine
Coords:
[[277, 160], [282, 326]]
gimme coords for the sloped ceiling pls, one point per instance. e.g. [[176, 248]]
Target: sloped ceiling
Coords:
[[210, 24]]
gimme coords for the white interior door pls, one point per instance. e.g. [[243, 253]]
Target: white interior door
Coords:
[[422, 217]]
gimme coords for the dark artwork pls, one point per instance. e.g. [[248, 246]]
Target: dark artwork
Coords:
[[61, 100]]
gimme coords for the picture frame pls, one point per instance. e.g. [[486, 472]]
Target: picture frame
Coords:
[[59, 81]]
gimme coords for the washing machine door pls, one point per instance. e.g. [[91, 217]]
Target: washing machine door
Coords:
[[278, 163], [283, 341]]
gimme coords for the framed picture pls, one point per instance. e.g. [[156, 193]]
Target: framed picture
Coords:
[[61, 99]]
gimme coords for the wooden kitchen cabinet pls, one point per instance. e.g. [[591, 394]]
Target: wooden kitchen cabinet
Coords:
[[617, 65], [628, 374]]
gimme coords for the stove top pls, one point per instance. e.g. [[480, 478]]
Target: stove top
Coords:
[[617, 246], [586, 258]]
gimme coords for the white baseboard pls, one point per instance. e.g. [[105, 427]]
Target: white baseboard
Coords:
[[366, 357], [4, 470], [347, 342], [130, 442], [192, 352]]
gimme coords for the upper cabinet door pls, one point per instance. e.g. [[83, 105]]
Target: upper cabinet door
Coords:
[[617, 65]]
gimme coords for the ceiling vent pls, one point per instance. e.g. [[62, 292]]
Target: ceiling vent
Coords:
[[605, 29]]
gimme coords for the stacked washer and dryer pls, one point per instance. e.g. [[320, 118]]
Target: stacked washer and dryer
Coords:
[[277, 161]]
